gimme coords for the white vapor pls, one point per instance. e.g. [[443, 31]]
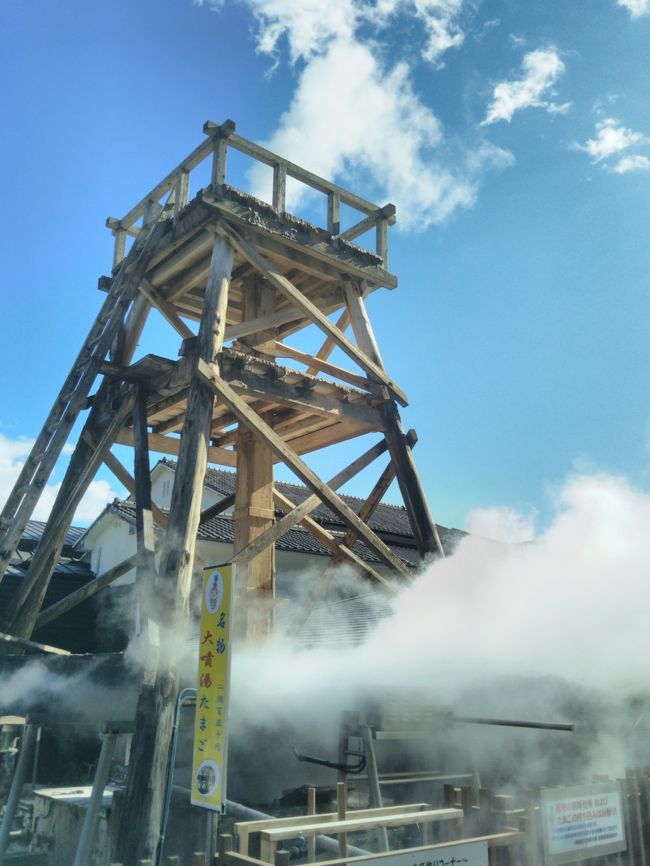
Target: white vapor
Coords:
[[13, 453], [540, 72], [570, 606], [501, 524], [611, 139], [636, 8], [356, 116]]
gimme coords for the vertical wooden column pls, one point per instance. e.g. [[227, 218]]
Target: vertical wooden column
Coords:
[[144, 524], [254, 494], [139, 830]]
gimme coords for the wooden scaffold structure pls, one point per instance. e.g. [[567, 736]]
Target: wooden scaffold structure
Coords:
[[251, 275]]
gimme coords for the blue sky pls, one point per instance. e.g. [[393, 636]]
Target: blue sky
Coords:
[[514, 139]]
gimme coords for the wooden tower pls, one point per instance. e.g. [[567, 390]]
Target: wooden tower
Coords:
[[250, 275]]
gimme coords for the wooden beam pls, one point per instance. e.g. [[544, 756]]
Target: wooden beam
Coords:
[[308, 505], [282, 284], [146, 572], [124, 477], [254, 512], [166, 309], [331, 543], [251, 384], [377, 493], [299, 467], [387, 213], [315, 363], [23, 644], [51, 613], [167, 445], [329, 345], [216, 509]]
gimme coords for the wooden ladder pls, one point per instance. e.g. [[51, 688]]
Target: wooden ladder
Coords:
[[73, 397]]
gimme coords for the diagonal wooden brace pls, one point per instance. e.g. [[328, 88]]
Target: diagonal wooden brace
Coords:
[[298, 466], [296, 297]]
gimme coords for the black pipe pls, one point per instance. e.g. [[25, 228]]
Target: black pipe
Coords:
[[511, 723]]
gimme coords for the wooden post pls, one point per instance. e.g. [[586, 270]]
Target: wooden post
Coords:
[[144, 524], [139, 830], [341, 810], [311, 810], [280, 186], [254, 511]]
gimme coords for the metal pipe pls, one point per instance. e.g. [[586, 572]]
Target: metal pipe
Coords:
[[511, 723], [20, 774], [323, 843], [187, 696], [84, 846]]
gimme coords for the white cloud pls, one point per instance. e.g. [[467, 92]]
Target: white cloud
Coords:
[[540, 71], [632, 163], [13, 453], [611, 138], [382, 130], [636, 8], [501, 524]]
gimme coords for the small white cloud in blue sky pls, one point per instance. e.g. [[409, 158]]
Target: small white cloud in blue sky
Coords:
[[636, 8], [610, 140], [533, 88]]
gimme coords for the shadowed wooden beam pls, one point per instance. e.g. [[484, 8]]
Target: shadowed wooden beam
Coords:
[[22, 643], [329, 345], [247, 417], [87, 591]]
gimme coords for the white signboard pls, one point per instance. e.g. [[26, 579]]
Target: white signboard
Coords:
[[582, 822], [454, 854]]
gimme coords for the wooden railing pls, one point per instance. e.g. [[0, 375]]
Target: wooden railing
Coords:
[[222, 137]]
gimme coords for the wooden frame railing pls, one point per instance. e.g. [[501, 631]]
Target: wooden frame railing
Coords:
[[222, 137]]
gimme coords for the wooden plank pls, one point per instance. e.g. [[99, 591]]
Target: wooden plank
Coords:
[[249, 251], [167, 445], [87, 591], [298, 466], [303, 509], [297, 821], [315, 363], [353, 825]]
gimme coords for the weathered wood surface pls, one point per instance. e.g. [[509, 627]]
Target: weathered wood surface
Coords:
[[141, 818]]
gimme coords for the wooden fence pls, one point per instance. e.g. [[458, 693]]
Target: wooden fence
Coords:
[[510, 827], [175, 187]]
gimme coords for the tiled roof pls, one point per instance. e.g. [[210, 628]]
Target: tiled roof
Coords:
[[344, 622], [296, 540], [387, 519], [34, 531]]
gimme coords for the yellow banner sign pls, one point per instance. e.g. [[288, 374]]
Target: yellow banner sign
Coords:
[[211, 724]]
